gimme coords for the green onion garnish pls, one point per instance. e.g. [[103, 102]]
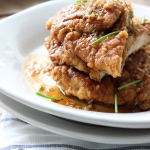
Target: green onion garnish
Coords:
[[79, 1], [122, 87], [143, 20], [133, 27], [104, 37], [48, 97], [129, 84], [116, 103]]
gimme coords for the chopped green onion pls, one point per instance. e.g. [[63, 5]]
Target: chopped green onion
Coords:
[[104, 37], [116, 103], [143, 20], [129, 84], [48, 97], [79, 1]]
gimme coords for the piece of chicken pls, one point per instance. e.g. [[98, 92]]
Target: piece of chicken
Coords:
[[82, 86], [94, 15], [106, 57], [75, 27]]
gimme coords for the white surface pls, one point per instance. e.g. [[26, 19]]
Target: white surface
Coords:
[[92, 133], [23, 34]]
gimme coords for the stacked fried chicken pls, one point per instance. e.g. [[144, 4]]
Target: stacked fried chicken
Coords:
[[94, 71]]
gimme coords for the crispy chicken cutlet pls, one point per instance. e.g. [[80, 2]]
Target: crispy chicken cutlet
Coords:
[[97, 46], [77, 26], [82, 86]]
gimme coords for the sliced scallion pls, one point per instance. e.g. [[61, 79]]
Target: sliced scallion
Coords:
[[129, 84], [133, 26], [79, 1], [116, 103], [143, 20], [104, 37], [48, 97]]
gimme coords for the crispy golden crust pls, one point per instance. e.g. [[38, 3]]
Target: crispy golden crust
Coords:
[[95, 15], [80, 68], [80, 85], [76, 26], [107, 57], [71, 46]]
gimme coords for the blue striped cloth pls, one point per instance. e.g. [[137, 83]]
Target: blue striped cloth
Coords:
[[16, 134]]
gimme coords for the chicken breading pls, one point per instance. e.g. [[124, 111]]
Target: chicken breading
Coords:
[[80, 85], [74, 47], [95, 15], [93, 72]]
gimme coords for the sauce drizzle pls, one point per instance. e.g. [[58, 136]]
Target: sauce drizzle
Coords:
[[36, 70]]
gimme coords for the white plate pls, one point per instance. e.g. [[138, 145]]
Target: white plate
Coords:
[[23, 34], [92, 133]]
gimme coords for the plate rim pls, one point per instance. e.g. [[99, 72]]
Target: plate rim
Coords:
[[85, 132]]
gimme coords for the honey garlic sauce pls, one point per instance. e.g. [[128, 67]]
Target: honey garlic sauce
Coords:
[[36, 69]]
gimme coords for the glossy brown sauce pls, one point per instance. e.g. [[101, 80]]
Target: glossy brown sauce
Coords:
[[36, 70]]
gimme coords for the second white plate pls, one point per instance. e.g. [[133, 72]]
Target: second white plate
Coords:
[[91, 133]]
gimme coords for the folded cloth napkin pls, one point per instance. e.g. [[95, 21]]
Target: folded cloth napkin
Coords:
[[16, 134]]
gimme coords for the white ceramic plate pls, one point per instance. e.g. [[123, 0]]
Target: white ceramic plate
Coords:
[[92, 133], [23, 34]]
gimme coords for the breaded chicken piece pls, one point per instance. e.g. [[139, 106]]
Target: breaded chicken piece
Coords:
[[82, 22], [94, 15], [82, 86], [75, 27], [106, 57]]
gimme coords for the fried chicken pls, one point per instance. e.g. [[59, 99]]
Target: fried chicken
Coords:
[[75, 27], [93, 72], [95, 15], [82, 86]]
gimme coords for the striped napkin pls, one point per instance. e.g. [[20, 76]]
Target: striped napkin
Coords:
[[16, 134]]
